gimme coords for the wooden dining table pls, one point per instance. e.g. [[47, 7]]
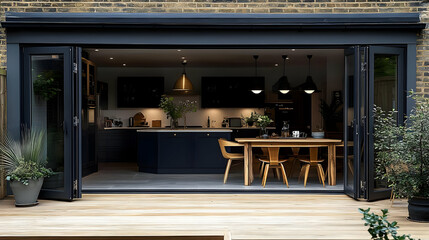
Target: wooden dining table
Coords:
[[250, 143]]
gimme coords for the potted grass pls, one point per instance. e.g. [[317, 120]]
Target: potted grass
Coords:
[[24, 162], [402, 155]]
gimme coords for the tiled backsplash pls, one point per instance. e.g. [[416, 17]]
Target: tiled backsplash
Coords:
[[198, 118]]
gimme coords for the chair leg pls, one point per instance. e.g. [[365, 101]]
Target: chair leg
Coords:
[[284, 175], [321, 174], [301, 172], [264, 181], [228, 166], [278, 173], [307, 169], [318, 174], [261, 170]]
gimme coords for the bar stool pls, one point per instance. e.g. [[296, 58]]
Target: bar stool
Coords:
[[312, 162], [223, 143]]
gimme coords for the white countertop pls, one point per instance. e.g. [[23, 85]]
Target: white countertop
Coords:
[[188, 130], [158, 128]]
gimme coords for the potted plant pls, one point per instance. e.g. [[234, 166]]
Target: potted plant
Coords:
[[251, 119], [175, 111], [402, 155], [25, 164], [263, 121]]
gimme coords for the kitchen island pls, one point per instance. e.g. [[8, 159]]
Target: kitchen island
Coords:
[[181, 150]]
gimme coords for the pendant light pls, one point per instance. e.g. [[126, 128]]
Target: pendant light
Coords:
[[256, 87], [282, 85], [309, 86], [183, 83]]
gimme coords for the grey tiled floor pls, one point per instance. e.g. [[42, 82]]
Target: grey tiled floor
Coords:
[[125, 177]]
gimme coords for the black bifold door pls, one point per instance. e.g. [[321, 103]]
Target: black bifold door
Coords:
[[55, 107]]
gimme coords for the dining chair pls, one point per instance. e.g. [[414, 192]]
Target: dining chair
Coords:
[[223, 143], [312, 162], [273, 162]]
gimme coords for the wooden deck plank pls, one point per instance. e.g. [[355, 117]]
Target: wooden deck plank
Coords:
[[244, 216]]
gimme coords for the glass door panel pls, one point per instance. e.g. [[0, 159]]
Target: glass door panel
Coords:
[[351, 76], [386, 90], [47, 111], [49, 105]]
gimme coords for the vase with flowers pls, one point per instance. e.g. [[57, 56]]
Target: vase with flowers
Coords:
[[263, 121], [175, 111]]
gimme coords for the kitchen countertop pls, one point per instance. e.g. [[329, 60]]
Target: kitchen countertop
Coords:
[[191, 128], [188, 130]]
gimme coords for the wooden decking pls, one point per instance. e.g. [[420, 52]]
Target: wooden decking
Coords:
[[240, 216]]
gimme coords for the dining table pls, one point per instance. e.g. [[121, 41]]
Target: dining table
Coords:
[[250, 143]]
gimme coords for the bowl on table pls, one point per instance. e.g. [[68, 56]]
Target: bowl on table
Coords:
[[318, 134]]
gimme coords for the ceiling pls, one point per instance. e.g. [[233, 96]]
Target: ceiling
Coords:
[[203, 57]]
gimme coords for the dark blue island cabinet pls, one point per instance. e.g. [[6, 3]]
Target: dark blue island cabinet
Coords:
[[181, 151]]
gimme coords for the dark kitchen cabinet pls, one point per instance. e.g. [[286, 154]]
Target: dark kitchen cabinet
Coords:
[[117, 145], [207, 152], [231, 92], [139, 92], [176, 152]]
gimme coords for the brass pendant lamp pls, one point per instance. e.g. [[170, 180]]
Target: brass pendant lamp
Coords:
[[183, 83]]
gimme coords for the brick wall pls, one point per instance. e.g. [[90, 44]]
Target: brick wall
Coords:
[[233, 6]]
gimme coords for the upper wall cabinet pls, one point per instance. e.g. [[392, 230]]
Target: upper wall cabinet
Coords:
[[139, 92], [89, 82], [231, 92]]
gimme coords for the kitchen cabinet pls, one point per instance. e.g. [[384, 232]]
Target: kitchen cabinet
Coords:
[[139, 92], [231, 92], [117, 145], [171, 151], [89, 82]]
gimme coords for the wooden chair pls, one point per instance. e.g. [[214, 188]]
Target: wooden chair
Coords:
[[273, 162], [223, 143], [312, 162]]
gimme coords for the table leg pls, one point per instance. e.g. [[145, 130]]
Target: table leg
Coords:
[[246, 164], [250, 164], [332, 168]]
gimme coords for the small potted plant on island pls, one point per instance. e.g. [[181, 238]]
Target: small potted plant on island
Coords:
[[263, 122], [24, 162], [402, 155], [178, 110]]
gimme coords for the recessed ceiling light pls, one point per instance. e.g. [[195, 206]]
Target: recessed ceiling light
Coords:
[[293, 50], [276, 65], [183, 58], [111, 58], [123, 64], [179, 50], [287, 58], [96, 50]]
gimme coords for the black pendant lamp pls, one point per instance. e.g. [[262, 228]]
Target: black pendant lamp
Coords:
[[282, 85], [256, 86], [309, 86], [183, 83]]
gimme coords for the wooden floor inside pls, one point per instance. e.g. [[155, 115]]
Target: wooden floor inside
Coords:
[[240, 216]]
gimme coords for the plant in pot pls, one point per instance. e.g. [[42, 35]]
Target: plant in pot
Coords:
[[263, 122], [402, 155], [251, 119], [175, 111], [24, 162]]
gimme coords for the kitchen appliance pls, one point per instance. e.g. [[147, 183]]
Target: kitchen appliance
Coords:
[[235, 122], [131, 122]]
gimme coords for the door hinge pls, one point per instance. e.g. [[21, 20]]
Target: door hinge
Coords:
[[363, 186], [74, 67], [75, 185], [363, 67], [75, 121]]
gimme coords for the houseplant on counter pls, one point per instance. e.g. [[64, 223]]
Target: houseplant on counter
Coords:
[[263, 121], [175, 111], [25, 164], [251, 119], [402, 155]]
